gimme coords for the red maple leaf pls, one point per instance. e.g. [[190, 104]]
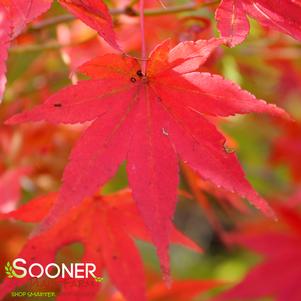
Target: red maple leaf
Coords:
[[278, 275], [232, 21], [105, 226], [147, 119]]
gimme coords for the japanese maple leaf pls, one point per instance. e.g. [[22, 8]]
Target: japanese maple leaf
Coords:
[[105, 226], [278, 275], [14, 15], [147, 120], [232, 21]]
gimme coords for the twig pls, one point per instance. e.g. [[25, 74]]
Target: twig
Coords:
[[37, 47], [124, 11]]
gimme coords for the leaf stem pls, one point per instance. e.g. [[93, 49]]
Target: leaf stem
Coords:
[[143, 42]]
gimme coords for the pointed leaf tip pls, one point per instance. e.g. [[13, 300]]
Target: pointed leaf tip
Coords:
[[96, 15]]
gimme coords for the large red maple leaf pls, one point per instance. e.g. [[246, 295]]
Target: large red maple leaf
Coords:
[[105, 227], [147, 120], [278, 275], [281, 15]]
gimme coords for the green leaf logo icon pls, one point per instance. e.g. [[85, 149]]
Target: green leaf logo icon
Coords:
[[10, 271]]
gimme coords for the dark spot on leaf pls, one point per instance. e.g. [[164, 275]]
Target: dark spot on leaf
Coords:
[[139, 73], [114, 257], [133, 79], [57, 105]]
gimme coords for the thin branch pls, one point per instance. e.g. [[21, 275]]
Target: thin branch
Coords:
[[124, 11], [37, 47]]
